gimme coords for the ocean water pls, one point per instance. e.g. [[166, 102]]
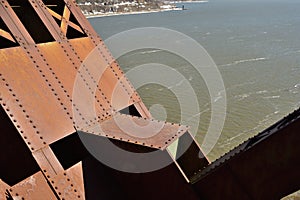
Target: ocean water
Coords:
[[256, 47]]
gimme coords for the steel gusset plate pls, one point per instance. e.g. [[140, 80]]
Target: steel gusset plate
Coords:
[[69, 185], [136, 130]]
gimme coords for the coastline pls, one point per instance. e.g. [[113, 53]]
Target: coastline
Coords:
[[130, 13], [108, 14], [200, 1]]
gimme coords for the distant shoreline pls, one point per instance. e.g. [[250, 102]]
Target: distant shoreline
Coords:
[[130, 13], [189, 1], [141, 12]]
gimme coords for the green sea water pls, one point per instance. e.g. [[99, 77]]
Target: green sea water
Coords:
[[256, 47]]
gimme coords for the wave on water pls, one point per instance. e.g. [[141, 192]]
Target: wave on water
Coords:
[[272, 97], [150, 51], [244, 61], [221, 94], [240, 85], [295, 89], [207, 109], [177, 84], [268, 119], [241, 97], [262, 92], [146, 52]]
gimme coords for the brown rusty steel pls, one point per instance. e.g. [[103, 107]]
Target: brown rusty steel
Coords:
[[114, 68], [69, 184], [113, 84], [31, 74], [136, 130], [3, 189], [34, 187], [27, 103]]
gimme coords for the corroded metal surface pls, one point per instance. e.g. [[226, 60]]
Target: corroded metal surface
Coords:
[[3, 189], [33, 188], [141, 131], [69, 184], [27, 104]]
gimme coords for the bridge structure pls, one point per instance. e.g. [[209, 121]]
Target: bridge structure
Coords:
[[43, 49]]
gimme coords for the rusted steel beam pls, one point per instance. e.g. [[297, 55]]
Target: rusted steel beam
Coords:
[[136, 130]]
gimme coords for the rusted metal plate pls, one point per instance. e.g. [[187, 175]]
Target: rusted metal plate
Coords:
[[76, 173], [59, 65], [25, 93], [146, 132], [33, 188], [41, 86], [69, 185], [3, 189], [116, 71], [115, 91], [83, 46], [113, 88], [60, 58], [112, 93], [126, 94]]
